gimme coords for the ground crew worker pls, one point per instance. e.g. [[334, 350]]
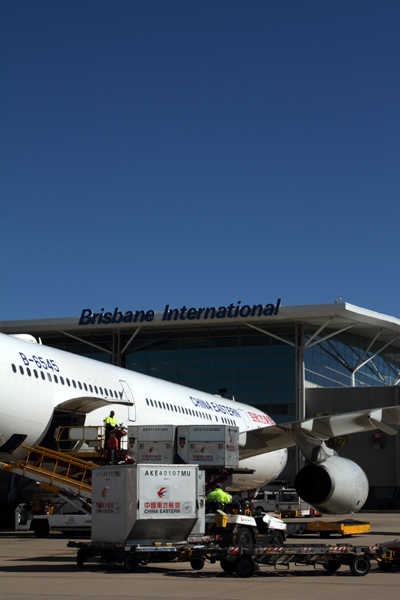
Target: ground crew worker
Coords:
[[218, 495], [112, 447], [110, 423]]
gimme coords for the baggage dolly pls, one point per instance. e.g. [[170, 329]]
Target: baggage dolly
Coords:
[[239, 560], [135, 555], [244, 561]]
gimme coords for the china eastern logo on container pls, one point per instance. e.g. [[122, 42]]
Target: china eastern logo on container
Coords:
[[162, 492]]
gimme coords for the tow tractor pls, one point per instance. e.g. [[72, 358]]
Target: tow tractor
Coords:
[[234, 525], [390, 555]]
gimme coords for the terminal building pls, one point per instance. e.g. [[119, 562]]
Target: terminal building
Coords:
[[292, 362]]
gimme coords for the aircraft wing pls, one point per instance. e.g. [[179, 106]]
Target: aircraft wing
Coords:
[[87, 404], [311, 434]]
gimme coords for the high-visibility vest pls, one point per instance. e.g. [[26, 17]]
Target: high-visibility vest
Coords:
[[218, 495], [111, 421]]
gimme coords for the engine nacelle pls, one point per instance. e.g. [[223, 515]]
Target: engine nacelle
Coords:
[[336, 486]]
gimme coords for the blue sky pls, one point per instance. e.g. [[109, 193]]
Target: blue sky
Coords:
[[198, 153]]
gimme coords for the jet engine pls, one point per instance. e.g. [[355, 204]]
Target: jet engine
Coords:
[[336, 486]]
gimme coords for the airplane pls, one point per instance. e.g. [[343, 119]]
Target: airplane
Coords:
[[42, 387]]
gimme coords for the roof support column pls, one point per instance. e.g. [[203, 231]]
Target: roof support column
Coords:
[[116, 355], [396, 443], [300, 387]]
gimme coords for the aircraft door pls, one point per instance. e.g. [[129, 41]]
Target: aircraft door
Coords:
[[128, 396], [246, 419]]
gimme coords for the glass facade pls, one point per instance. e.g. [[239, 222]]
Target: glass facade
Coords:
[[237, 363], [330, 363]]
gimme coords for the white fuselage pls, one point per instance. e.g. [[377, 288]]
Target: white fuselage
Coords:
[[35, 380]]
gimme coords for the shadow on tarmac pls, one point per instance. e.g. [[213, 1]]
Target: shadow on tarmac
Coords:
[[42, 566]]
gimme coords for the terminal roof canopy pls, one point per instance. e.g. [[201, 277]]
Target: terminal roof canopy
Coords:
[[335, 317]]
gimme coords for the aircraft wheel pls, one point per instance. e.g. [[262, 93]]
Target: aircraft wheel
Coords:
[[245, 566], [197, 564], [228, 566], [131, 564], [360, 565]]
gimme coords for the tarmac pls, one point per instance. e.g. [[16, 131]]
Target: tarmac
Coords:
[[41, 569]]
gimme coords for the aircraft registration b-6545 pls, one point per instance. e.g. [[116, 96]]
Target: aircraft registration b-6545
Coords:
[[42, 386]]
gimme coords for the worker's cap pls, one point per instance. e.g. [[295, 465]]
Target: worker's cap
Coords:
[[219, 486]]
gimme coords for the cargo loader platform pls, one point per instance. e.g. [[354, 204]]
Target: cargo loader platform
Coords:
[[324, 529]]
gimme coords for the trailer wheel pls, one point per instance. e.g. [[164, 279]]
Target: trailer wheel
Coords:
[[384, 566], [228, 566], [324, 534], [278, 539], [244, 566], [259, 510], [360, 565], [332, 566], [244, 537], [131, 564], [80, 558], [197, 564], [41, 528]]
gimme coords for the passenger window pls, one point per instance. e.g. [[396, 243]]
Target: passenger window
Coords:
[[42, 374], [79, 385], [85, 386], [68, 382], [111, 394], [49, 376], [95, 389], [101, 391], [36, 373], [90, 388], [21, 370], [14, 368], [62, 380], [28, 371], [105, 391], [151, 401], [55, 378], [73, 383]]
